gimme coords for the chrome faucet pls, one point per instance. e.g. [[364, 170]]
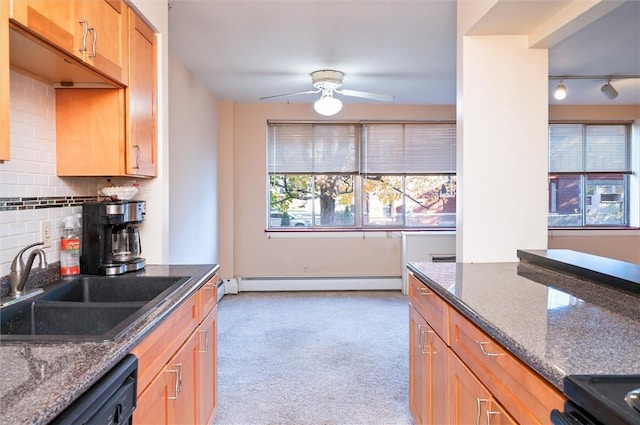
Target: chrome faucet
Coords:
[[20, 272]]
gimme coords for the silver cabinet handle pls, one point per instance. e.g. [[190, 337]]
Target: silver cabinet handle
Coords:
[[485, 352], [206, 340], [178, 385], [489, 414], [424, 291], [95, 40], [137, 148], [85, 31], [423, 332], [478, 407]]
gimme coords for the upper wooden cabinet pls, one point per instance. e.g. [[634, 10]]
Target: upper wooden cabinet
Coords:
[[4, 81], [94, 31], [141, 99], [112, 132]]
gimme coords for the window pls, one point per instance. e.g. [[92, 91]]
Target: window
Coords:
[[362, 176], [589, 167]]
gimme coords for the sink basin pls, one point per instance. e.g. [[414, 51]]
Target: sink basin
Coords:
[[102, 289], [85, 308]]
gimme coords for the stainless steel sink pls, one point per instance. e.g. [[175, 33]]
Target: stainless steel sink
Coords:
[[86, 308]]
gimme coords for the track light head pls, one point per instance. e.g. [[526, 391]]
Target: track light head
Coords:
[[609, 91], [560, 92]]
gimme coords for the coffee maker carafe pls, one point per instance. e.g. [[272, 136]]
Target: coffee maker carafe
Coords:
[[110, 237]]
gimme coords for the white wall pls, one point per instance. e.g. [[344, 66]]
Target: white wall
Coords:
[[193, 181]]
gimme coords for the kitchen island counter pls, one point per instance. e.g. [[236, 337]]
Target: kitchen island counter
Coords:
[[39, 380], [557, 323]]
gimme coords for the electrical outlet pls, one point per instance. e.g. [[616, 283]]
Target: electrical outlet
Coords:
[[45, 233]]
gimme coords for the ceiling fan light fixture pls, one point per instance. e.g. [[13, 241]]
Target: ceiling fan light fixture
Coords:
[[560, 92], [327, 105], [609, 91]]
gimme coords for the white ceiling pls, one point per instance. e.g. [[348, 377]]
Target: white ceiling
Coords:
[[247, 49]]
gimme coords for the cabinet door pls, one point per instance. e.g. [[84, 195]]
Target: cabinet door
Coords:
[[153, 404], [4, 81], [418, 367], [180, 373], [141, 99], [207, 367], [107, 42], [56, 21], [439, 385], [470, 400]]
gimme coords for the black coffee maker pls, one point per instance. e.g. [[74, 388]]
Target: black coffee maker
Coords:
[[110, 238]]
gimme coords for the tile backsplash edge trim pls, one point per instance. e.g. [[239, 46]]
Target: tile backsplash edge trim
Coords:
[[40, 202]]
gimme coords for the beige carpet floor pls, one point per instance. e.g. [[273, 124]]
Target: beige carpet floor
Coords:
[[320, 358]]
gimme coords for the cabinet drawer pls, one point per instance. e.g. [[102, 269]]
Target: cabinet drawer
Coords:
[[158, 347], [522, 392], [207, 297], [431, 306]]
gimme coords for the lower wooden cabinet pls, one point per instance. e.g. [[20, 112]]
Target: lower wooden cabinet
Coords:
[[471, 402], [428, 397], [460, 375], [177, 365]]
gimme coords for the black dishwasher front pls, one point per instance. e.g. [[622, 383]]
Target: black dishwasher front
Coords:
[[111, 400]]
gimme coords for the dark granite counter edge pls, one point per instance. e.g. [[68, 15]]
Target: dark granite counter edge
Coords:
[[615, 273], [113, 352], [546, 370]]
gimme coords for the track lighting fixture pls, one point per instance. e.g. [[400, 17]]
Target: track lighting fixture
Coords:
[[609, 91], [560, 92]]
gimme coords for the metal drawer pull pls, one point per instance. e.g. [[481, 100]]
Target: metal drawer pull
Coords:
[[478, 407], [85, 31], [485, 352], [421, 340], [424, 291], [489, 416], [95, 40], [206, 340], [178, 386]]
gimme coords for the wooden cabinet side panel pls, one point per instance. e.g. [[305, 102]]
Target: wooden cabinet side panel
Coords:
[[207, 368], [5, 142], [525, 395], [142, 99], [89, 132], [157, 348]]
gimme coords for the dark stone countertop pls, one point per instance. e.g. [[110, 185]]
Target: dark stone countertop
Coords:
[[557, 323], [39, 380]]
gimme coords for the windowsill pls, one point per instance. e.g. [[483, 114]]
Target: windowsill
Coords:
[[594, 231], [352, 233]]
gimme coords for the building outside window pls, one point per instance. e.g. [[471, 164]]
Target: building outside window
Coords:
[[361, 175], [589, 168]]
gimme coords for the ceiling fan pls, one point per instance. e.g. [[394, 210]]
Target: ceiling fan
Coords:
[[327, 82]]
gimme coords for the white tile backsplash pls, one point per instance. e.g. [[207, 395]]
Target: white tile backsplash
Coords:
[[31, 172]]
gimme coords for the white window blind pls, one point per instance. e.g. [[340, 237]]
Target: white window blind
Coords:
[[584, 148], [312, 148], [409, 148]]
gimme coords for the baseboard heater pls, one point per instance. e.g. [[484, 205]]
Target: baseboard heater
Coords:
[[364, 283], [443, 259]]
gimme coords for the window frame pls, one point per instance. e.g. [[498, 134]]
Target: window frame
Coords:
[[359, 177], [585, 175]]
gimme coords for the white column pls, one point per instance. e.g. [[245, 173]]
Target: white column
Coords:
[[502, 115]]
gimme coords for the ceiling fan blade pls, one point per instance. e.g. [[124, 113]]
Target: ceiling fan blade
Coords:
[[366, 95], [290, 94]]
